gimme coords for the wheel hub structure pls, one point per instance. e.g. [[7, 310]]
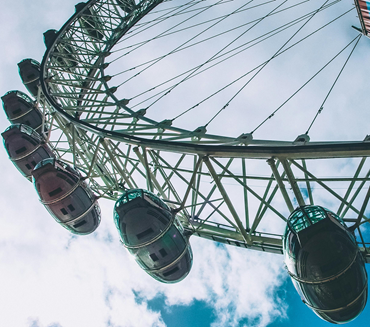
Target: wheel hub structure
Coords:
[[236, 189]]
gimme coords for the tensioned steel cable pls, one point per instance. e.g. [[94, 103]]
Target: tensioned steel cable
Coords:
[[138, 28], [263, 37], [211, 37], [189, 40], [255, 68], [169, 29], [332, 87], [141, 27], [217, 53], [202, 23], [309, 80], [264, 65]]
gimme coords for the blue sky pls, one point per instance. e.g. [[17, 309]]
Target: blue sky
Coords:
[[297, 314], [52, 279]]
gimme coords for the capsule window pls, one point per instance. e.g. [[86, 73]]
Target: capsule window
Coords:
[[154, 257], [64, 211], [55, 192], [337, 293], [29, 139], [28, 167], [62, 176], [347, 288], [17, 111], [33, 162], [21, 150], [123, 228], [144, 233], [303, 260], [158, 216], [81, 223], [152, 213], [170, 272], [336, 263], [163, 252], [71, 207]]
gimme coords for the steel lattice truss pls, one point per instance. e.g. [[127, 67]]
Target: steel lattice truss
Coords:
[[232, 190]]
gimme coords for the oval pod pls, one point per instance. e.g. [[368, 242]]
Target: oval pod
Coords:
[[21, 109], [25, 148], [152, 233], [325, 264], [66, 196]]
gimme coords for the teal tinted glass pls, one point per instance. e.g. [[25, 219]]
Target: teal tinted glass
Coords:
[[129, 195], [306, 216]]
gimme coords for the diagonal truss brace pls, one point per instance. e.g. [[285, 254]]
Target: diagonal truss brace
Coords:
[[280, 183], [233, 212]]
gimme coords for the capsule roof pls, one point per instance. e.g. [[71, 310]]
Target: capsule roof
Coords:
[[18, 94], [55, 165], [25, 129], [132, 194], [305, 216], [49, 37]]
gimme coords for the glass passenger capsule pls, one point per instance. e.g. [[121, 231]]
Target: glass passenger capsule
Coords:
[[21, 109], [29, 70], [325, 264], [152, 233], [66, 196], [90, 22], [25, 147]]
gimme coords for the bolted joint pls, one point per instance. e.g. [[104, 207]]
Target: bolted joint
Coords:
[[245, 138], [301, 139], [123, 102], [139, 113], [197, 134], [164, 124]]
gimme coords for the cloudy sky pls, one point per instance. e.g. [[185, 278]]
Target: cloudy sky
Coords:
[[49, 278]]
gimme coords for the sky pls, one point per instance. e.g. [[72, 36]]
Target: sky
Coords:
[[50, 278]]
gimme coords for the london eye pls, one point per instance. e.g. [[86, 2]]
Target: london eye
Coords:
[[208, 119]]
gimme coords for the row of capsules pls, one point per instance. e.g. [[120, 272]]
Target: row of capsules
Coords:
[[61, 188], [148, 228]]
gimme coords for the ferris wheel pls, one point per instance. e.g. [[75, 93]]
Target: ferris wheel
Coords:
[[161, 102]]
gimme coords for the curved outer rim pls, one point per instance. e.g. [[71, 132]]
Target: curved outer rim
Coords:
[[308, 151]]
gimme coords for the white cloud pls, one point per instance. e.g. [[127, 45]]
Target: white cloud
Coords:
[[49, 277]]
